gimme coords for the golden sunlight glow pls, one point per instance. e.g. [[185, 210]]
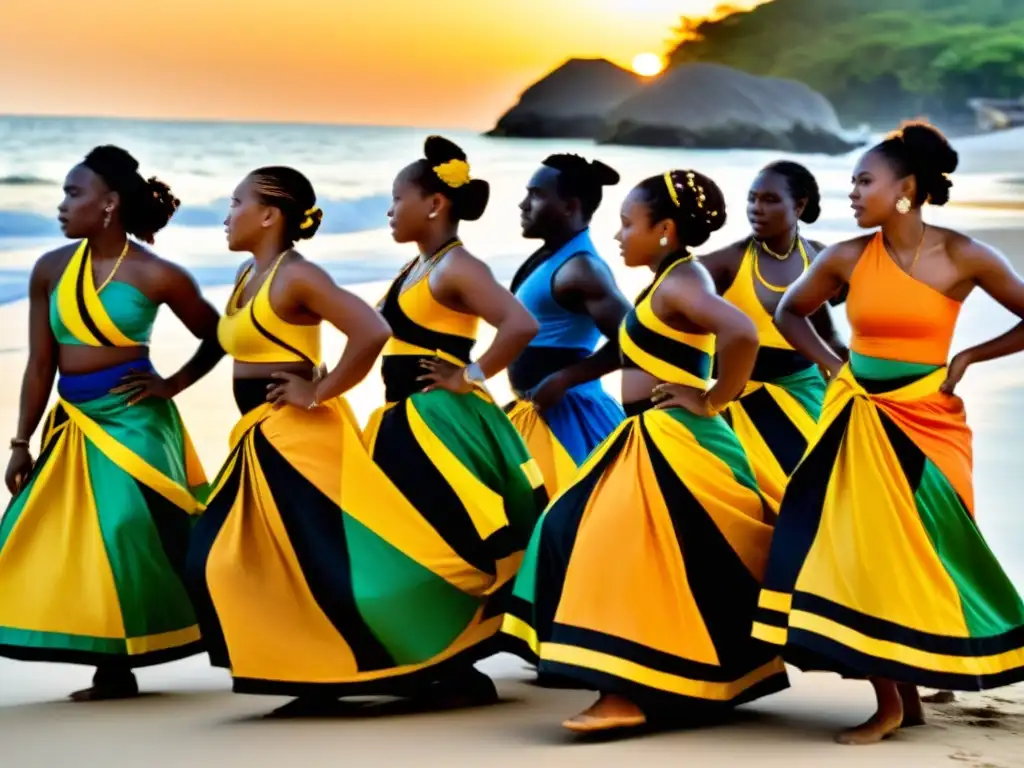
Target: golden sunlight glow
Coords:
[[401, 62], [648, 64]]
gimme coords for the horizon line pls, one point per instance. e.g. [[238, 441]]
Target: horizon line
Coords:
[[235, 121]]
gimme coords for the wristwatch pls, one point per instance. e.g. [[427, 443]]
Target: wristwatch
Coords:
[[474, 375]]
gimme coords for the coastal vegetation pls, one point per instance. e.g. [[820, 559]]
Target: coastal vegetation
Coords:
[[877, 61]]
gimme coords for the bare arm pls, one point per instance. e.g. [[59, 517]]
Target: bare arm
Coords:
[[178, 290], [41, 368], [693, 296], [365, 330], [472, 284], [582, 283], [825, 278], [39, 372], [991, 272], [822, 322]]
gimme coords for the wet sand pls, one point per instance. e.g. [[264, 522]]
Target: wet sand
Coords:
[[189, 717]]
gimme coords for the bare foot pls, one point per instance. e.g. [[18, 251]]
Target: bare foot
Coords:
[[884, 723], [913, 710], [608, 712], [109, 688], [939, 697]]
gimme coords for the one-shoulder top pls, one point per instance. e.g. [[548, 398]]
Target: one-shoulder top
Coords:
[[653, 346], [775, 356], [254, 333], [421, 327], [894, 316], [115, 315]]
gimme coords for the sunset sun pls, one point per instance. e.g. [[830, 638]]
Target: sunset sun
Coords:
[[648, 64]]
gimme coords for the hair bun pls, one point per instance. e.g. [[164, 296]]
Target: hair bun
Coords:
[[438, 149], [113, 159], [604, 175], [932, 158], [310, 224]]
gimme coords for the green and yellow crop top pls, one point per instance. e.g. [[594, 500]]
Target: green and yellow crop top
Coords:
[[254, 333], [113, 315], [421, 327], [653, 346]]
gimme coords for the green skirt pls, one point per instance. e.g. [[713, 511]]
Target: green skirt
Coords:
[[92, 550]]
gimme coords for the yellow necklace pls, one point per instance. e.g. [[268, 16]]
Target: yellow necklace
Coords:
[[117, 264], [781, 256], [765, 283], [917, 253]]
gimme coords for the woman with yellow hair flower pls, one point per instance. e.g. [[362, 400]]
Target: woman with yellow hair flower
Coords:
[[445, 444]]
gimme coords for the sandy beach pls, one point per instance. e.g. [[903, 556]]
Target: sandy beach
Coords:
[[189, 717]]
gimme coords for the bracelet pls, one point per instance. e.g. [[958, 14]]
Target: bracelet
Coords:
[[712, 410], [472, 374], [19, 442]]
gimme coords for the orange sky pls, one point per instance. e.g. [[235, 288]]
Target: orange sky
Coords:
[[445, 63]]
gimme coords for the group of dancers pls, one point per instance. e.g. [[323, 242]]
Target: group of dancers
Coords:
[[759, 493]]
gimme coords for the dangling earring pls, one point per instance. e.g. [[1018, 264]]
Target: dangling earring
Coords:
[[903, 205], [664, 241], [108, 217]]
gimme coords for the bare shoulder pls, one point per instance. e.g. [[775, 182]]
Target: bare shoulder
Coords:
[[301, 269], [459, 261], [965, 249], [159, 268], [49, 267], [843, 256], [689, 277]]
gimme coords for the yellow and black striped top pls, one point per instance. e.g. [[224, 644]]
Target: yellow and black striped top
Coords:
[[650, 344]]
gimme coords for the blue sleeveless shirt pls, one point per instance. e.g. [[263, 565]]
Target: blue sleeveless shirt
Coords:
[[564, 336]]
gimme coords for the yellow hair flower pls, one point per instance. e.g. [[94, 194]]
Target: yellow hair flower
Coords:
[[309, 217], [454, 173]]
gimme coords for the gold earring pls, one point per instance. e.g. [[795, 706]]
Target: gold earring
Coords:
[[903, 205], [108, 217], [664, 241]]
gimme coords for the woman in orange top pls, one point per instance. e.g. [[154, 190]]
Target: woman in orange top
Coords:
[[878, 569]]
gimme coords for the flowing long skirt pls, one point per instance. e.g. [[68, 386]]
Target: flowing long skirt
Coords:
[[92, 551], [776, 417], [563, 436], [642, 577], [878, 567], [312, 573]]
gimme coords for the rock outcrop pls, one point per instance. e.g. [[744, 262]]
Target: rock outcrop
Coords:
[[571, 102], [710, 106]]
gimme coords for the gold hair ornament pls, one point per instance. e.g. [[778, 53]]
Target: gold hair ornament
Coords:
[[671, 188], [454, 173], [310, 217]]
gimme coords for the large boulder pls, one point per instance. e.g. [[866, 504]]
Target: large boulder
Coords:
[[571, 102], [710, 106]]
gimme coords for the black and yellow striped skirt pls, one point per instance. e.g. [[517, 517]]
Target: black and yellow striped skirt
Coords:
[[878, 568], [642, 577], [314, 574], [776, 416]]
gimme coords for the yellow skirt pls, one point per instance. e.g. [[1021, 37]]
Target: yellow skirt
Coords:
[[878, 568], [312, 573], [642, 577]]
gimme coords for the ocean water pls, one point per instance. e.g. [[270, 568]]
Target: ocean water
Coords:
[[352, 169]]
